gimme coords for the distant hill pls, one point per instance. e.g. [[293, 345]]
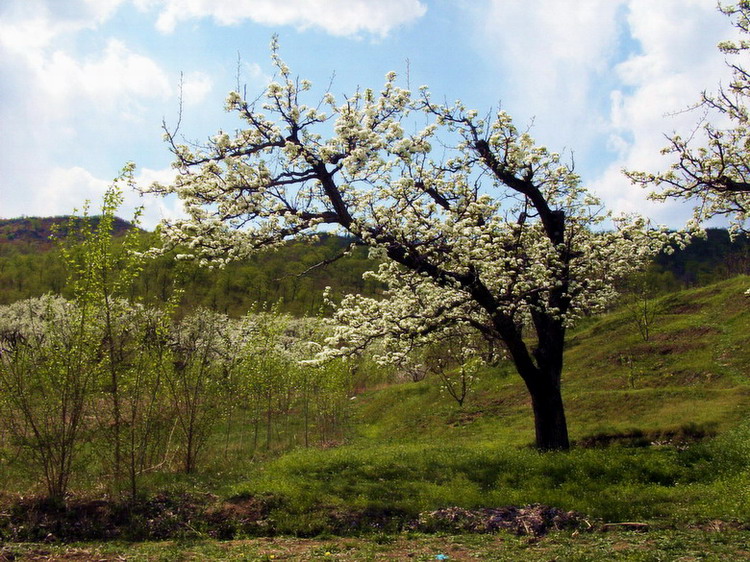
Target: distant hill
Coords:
[[294, 275], [30, 266], [709, 259], [32, 234]]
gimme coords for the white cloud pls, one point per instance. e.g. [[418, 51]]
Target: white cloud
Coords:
[[551, 55], [337, 17], [155, 208], [607, 79], [195, 87], [65, 110], [547, 33], [110, 80], [37, 22], [62, 191], [27, 36], [256, 74], [102, 10]]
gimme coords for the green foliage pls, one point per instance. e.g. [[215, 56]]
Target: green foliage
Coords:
[[287, 398], [708, 259], [198, 380], [291, 278], [30, 265], [79, 368], [48, 370], [287, 276], [645, 453]]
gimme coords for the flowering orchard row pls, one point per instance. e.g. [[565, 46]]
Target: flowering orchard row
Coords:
[[126, 390]]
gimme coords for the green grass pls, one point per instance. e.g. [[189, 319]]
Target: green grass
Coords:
[[674, 409], [691, 485], [414, 449], [694, 370]]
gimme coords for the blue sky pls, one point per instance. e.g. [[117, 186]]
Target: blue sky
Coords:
[[85, 84]]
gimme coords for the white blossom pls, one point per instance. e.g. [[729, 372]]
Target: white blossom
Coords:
[[477, 225]]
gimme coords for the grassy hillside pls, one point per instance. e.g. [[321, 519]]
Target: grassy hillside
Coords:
[[661, 430], [693, 374], [662, 439]]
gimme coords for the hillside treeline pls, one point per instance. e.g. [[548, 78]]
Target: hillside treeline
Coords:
[[294, 277]]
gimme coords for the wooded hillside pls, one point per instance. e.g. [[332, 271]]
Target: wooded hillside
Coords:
[[296, 274]]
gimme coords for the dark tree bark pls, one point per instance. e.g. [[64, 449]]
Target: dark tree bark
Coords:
[[549, 413]]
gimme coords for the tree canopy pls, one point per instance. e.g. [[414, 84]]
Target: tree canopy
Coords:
[[478, 226]]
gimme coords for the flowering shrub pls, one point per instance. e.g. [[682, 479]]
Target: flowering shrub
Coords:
[[48, 370]]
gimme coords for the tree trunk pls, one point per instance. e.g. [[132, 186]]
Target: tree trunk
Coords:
[[542, 380], [549, 417], [544, 385]]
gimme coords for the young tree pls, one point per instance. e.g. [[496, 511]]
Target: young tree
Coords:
[[266, 369], [102, 270], [198, 378], [640, 294], [712, 165], [478, 225], [132, 340], [48, 369], [455, 359]]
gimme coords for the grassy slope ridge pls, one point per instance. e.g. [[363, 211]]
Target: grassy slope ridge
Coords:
[[694, 370], [655, 402]]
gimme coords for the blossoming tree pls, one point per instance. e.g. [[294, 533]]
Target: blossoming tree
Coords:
[[712, 167], [477, 226]]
